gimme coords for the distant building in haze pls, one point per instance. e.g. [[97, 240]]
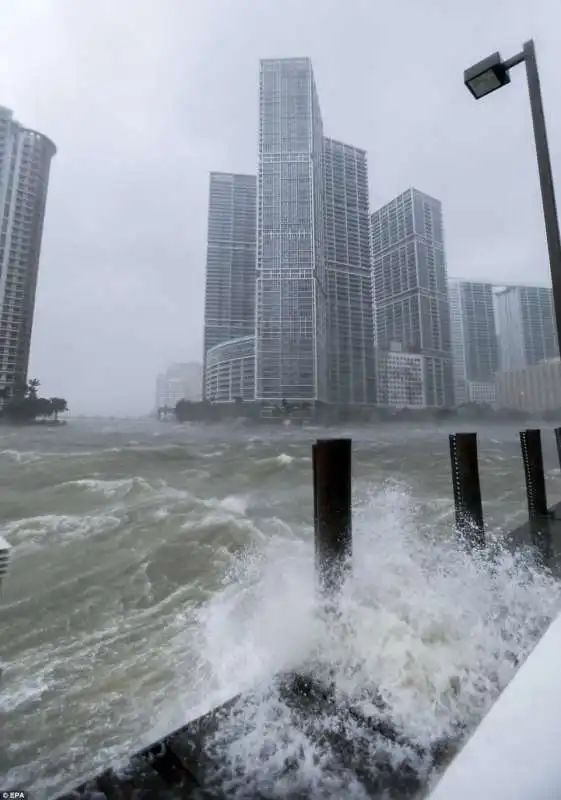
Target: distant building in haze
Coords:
[[292, 297], [350, 326], [230, 265], [526, 326], [411, 288], [474, 341], [178, 382], [535, 388], [25, 159]]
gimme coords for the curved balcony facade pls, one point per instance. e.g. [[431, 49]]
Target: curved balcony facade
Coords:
[[230, 371]]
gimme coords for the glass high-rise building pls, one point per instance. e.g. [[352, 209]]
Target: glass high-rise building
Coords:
[[25, 160], [230, 263], [474, 340], [526, 326], [411, 288], [350, 329], [291, 297]]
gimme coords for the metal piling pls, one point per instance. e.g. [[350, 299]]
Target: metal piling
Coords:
[[467, 489], [531, 445], [331, 461]]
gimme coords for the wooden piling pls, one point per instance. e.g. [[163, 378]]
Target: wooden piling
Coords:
[[531, 445], [467, 489], [332, 511]]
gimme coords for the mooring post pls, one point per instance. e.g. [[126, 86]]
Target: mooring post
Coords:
[[314, 479], [331, 461], [531, 444], [467, 489]]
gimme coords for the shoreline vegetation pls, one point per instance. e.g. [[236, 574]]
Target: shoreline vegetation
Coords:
[[24, 406], [251, 413]]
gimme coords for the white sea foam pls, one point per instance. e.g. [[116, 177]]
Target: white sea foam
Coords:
[[109, 488], [20, 457], [280, 460], [51, 529], [212, 454], [236, 504], [435, 630]]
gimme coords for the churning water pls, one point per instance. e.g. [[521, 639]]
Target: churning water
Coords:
[[158, 569]]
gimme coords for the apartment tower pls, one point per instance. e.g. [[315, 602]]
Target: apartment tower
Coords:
[[411, 291], [474, 341], [25, 160], [350, 328], [526, 326], [292, 295], [230, 262]]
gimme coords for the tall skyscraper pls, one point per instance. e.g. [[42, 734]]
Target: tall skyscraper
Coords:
[[25, 160], [526, 326], [291, 313], [474, 340], [230, 264], [411, 288], [350, 329]]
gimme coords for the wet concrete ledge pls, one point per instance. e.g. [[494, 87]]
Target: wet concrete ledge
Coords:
[[360, 748]]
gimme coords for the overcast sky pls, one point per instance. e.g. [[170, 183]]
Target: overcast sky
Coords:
[[144, 97]]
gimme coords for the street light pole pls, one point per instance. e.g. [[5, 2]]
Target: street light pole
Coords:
[[546, 178], [485, 77]]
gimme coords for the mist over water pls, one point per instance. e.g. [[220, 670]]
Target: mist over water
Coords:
[[159, 569]]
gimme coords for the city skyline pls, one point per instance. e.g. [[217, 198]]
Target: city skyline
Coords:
[[183, 103], [309, 335], [349, 271], [309, 298]]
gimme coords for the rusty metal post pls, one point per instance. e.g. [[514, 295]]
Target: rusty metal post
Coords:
[[332, 511], [467, 489], [557, 433], [531, 444]]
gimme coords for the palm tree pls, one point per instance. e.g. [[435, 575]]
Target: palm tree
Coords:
[[59, 406], [32, 387]]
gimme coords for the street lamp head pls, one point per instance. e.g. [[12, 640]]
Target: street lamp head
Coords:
[[486, 76]]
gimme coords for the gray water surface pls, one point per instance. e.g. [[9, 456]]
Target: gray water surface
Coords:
[[157, 569]]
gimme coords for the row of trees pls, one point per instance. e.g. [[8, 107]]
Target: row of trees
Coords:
[[23, 404], [207, 411]]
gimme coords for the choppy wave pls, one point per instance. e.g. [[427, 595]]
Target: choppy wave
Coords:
[[19, 456], [173, 591]]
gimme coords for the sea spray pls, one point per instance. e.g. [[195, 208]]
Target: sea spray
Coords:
[[425, 628]]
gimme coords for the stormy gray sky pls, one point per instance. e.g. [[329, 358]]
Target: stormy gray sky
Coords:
[[144, 97]]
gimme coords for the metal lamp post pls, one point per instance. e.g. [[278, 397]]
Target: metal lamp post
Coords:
[[484, 78]]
